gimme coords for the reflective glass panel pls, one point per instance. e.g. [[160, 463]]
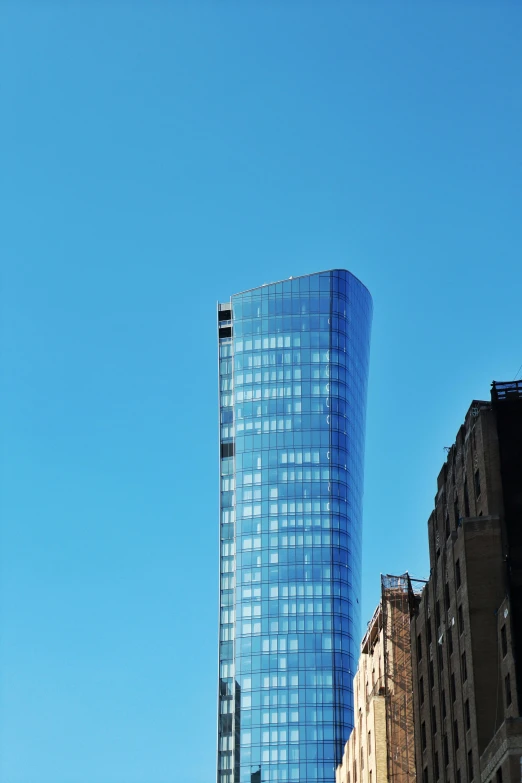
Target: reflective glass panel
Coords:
[[293, 376]]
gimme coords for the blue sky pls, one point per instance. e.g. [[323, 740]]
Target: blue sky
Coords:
[[158, 157]]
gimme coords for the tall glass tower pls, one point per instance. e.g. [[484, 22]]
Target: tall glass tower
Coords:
[[293, 370]]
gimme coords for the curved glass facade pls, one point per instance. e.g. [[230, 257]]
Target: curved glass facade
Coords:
[[293, 359]]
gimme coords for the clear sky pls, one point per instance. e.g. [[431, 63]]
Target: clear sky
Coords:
[[157, 157]]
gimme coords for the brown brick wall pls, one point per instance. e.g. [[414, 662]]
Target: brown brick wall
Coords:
[[461, 671]]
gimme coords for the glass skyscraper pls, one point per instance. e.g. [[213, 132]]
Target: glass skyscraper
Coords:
[[293, 370]]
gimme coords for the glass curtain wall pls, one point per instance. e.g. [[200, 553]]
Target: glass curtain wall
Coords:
[[293, 369]]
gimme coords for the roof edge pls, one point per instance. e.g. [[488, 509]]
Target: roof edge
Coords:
[[298, 277]]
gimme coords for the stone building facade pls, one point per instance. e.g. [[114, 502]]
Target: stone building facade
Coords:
[[466, 631], [380, 747]]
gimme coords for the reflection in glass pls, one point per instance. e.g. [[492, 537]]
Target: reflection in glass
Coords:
[[293, 368]]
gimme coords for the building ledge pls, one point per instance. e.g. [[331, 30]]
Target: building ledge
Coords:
[[372, 634], [507, 739]]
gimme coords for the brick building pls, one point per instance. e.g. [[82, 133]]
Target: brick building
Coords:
[[380, 747], [467, 630]]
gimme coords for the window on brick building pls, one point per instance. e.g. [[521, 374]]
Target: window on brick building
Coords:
[[428, 631], [470, 765], [456, 513], [460, 619], [421, 690], [507, 686], [446, 750], [459, 779], [431, 675], [499, 775], [503, 639], [436, 765], [457, 573], [464, 667], [467, 714], [449, 634], [455, 734], [466, 499], [446, 596], [423, 735], [433, 719], [443, 700], [453, 687], [476, 478], [447, 527], [419, 647], [425, 778]]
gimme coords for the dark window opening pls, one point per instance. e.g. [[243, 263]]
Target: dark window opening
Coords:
[[477, 483], [499, 775], [456, 734], [437, 771], [431, 675], [225, 725], [433, 719], [464, 667], [453, 687], [225, 315], [457, 574], [446, 596], [470, 765], [446, 750], [467, 714], [225, 331], [456, 513], [450, 640], [227, 449], [421, 690], [423, 735], [443, 698], [460, 617], [466, 499], [419, 647]]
